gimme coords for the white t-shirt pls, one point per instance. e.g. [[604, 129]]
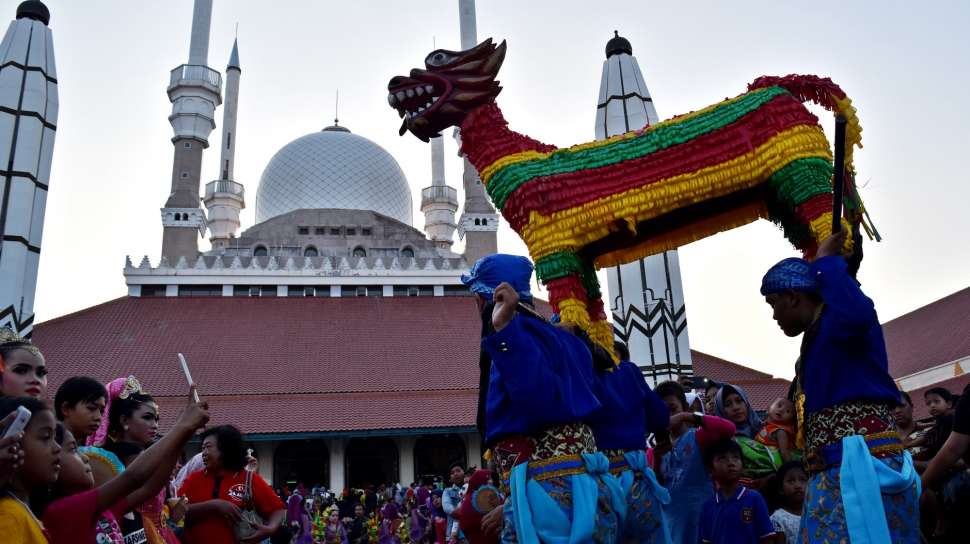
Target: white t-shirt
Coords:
[[786, 523]]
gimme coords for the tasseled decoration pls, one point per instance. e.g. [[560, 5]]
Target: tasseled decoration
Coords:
[[761, 154]]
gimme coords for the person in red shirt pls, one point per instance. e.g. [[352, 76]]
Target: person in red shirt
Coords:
[[215, 494]]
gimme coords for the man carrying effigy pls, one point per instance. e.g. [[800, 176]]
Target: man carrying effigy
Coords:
[[537, 398], [863, 486]]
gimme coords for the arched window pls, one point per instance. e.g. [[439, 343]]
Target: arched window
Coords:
[[408, 252], [434, 454], [304, 462], [260, 251], [478, 221], [370, 461], [311, 251], [359, 252]]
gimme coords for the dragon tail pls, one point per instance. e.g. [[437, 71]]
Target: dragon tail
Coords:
[[824, 92]]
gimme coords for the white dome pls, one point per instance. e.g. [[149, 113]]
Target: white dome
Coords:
[[333, 168]]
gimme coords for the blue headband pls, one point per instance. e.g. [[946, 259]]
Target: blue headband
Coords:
[[791, 274], [489, 272]]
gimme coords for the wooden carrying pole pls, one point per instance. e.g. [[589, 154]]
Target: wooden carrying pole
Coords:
[[838, 177]]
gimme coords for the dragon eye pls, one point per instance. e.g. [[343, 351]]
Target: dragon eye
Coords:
[[438, 58]]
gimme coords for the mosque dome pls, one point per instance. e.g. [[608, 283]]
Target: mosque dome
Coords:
[[333, 168]]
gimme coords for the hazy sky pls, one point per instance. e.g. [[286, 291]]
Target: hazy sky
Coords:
[[904, 64]]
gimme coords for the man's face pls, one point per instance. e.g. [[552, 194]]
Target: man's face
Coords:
[[457, 475], [903, 413], [785, 307], [726, 467], [358, 511]]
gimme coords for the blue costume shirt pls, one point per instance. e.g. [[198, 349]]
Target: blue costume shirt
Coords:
[[742, 518], [540, 377], [630, 409], [846, 361]]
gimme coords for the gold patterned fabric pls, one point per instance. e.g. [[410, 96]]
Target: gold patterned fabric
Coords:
[[825, 429]]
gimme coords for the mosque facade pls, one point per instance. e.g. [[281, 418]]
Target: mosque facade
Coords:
[[318, 329]]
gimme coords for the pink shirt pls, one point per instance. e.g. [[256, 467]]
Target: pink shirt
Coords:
[[74, 519]]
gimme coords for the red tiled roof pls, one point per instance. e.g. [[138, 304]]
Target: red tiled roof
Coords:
[[955, 385], [336, 412], [719, 370], [277, 365], [316, 354], [762, 393], [933, 335]]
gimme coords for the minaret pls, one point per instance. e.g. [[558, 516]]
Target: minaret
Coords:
[[439, 202], [646, 296], [224, 197], [28, 115], [195, 91], [478, 224]]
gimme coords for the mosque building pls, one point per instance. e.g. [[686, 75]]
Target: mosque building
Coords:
[[335, 331], [317, 330]]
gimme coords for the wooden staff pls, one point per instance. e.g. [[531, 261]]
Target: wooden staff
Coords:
[[838, 178]]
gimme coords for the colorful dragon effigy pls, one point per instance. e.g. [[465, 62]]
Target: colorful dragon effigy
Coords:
[[761, 154]]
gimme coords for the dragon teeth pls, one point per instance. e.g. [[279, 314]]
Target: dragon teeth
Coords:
[[428, 89], [400, 95], [410, 93], [391, 100], [419, 91]]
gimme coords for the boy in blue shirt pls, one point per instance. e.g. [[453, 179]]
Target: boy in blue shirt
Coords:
[[735, 514]]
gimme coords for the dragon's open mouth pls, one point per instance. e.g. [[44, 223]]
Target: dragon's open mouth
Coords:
[[413, 101]]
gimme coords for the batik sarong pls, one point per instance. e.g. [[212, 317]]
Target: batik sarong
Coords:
[[870, 430], [645, 497], [564, 492]]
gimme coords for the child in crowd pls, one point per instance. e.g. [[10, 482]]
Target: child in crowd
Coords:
[[39, 470], [735, 514], [789, 490], [79, 403], [779, 432], [82, 513], [682, 468], [940, 403], [760, 462]]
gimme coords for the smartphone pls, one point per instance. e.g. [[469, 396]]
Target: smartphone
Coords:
[[19, 422]]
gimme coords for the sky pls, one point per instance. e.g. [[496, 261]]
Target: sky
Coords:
[[905, 65]]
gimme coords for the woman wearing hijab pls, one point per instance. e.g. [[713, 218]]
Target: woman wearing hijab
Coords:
[[760, 461]]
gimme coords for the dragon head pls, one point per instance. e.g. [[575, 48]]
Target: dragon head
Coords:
[[453, 84]]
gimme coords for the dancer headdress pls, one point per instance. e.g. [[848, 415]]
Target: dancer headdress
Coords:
[[120, 388]]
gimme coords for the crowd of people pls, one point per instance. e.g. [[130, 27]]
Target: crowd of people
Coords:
[[579, 448], [388, 513]]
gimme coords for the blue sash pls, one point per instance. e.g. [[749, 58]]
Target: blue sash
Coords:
[[538, 517], [863, 480]]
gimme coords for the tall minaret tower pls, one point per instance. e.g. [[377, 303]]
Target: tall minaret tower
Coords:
[[28, 121], [439, 202], [647, 296], [479, 222], [224, 197], [195, 91]]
